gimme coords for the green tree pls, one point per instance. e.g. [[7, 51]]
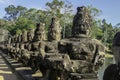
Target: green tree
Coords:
[[94, 12], [108, 33], [35, 15], [8, 25], [22, 24], [11, 12], [96, 31], [67, 18], [54, 8], [21, 10]]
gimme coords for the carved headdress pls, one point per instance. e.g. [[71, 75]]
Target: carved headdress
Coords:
[[81, 22]]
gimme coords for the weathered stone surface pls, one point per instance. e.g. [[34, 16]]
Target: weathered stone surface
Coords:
[[54, 35], [36, 47], [76, 76], [30, 34], [54, 31], [57, 61], [39, 36], [73, 58], [51, 47], [81, 22], [39, 32], [4, 34], [19, 38], [22, 54], [85, 49], [24, 36], [86, 54]]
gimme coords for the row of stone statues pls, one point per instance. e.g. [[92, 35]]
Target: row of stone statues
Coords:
[[74, 58]]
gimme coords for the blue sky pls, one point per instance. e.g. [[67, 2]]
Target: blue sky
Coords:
[[110, 8]]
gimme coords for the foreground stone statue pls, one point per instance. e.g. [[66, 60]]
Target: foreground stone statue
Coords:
[[80, 56], [36, 48], [112, 72]]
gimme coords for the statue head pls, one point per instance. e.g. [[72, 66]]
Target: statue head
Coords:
[[81, 9], [15, 38], [39, 32], [30, 34], [24, 36], [54, 30], [81, 22]]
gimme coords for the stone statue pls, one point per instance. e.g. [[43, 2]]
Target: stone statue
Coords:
[[15, 38], [39, 35], [87, 51], [22, 43], [36, 47], [19, 38], [23, 39], [14, 47], [54, 35], [9, 40], [112, 72], [25, 47], [81, 22], [8, 45], [11, 46], [54, 32], [75, 58], [24, 36], [30, 34], [39, 32]]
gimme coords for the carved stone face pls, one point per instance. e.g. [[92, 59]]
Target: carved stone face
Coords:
[[38, 37], [54, 31], [39, 32], [24, 36], [81, 22], [30, 35]]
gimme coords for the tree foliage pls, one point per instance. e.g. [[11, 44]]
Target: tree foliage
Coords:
[[54, 8], [12, 12]]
